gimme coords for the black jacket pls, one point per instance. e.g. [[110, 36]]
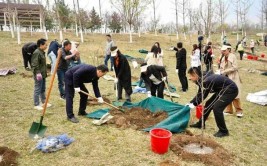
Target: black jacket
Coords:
[[207, 57], [181, 59], [29, 48], [123, 73], [83, 74], [213, 83], [157, 71], [53, 47]]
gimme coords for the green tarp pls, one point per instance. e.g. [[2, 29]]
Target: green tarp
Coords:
[[178, 115], [143, 51]]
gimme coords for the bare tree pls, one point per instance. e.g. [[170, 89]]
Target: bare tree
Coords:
[[75, 13], [81, 28], [184, 5], [206, 15], [129, 9], [176, 19], [263, 16], [59, 22], [244, 6], [155, 18], [10, 15], [223, 6]]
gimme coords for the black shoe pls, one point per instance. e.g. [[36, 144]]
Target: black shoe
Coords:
[[221, 134], [197, 125], [73, 119], [83, 113], [62, 97], [27, 68]]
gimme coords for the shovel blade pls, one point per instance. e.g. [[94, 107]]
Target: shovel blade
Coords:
[[37, 129]]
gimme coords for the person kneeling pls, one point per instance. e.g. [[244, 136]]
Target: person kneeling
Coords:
[[225, 91]]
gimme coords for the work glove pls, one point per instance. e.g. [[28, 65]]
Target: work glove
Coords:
[[135, 64], [171, 48], [100, 100], [77, 90], [116, 80], [148, 94], [212, 55], [39, 77], [177, 70], [164, 78], [190, 105]]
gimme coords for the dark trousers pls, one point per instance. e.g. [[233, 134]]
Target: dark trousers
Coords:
[[120, 87], [69, 94], [241, 54], [26, 58], [183, 79], [107, 57], [157, 88], [61, 82], [208, 66], [252, 50], [218, 102]]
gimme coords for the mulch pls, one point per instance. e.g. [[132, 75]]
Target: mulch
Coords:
[[8, 157]]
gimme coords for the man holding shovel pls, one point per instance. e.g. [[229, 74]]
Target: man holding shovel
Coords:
[[74, 82]]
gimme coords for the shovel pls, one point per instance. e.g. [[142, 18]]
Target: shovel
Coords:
[[167, 88], [38, 129], [103, 102]]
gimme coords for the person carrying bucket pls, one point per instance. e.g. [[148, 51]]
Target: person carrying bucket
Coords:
[[224, 92]]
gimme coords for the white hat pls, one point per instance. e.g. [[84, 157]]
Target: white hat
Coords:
[[143, 68], [114, 53], [225, 47]]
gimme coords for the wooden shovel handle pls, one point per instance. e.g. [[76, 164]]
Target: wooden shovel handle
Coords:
[[51, 84], [167, 87], [103, 102]]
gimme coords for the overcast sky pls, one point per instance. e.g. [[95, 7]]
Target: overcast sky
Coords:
[[165, 9]]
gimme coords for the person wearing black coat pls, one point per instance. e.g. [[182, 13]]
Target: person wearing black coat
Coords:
[[154, 77], [27, 51], [181, 66], [74, 82], [123, 73], [224, 92], [208, 58]]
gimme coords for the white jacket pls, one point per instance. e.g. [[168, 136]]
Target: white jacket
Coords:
[[195, 58]]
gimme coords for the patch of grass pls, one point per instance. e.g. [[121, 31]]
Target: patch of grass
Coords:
[[108, 145]]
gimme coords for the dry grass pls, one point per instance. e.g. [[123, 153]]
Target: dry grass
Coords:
[[107, 145]]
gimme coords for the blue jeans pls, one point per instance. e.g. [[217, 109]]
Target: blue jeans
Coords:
[[74, 63], [39, 91], [61, 83], [53, 60], [107, 57]]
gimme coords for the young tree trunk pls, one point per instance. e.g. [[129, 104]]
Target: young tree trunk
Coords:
[[31, 28], [131, 38], [81, 29], [60, 35]]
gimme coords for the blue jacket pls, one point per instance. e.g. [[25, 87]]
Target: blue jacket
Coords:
[[54, 46], [214, 83], [83, 74]]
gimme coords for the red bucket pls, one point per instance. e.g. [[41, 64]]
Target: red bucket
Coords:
[[199, 110], [255, 58], [262, 55], [160, 140]]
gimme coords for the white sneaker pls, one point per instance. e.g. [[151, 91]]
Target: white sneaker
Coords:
[[239, 114], [38, 107], [48, 105], [227, 113]]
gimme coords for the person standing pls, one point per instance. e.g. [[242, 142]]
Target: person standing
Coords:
[[110, 43], [27, 51], [75, 79], [52, 53], [195, 57], [252, 45], [224, 92], [38, 60], [224, 40], [208, 58], [154, 77], [123, 74], [229, 69], [64, 61], [239, 47], [181, 66]]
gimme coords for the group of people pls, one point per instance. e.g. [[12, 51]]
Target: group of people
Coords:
[[71, 79]]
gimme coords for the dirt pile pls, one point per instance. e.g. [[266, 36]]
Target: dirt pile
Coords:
[[95, 102], [8, 157], [219, 156], [136, 118], [169, 163]]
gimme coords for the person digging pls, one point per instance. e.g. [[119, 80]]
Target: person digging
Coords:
[[224, 92], [154, 77], [74, 82]]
